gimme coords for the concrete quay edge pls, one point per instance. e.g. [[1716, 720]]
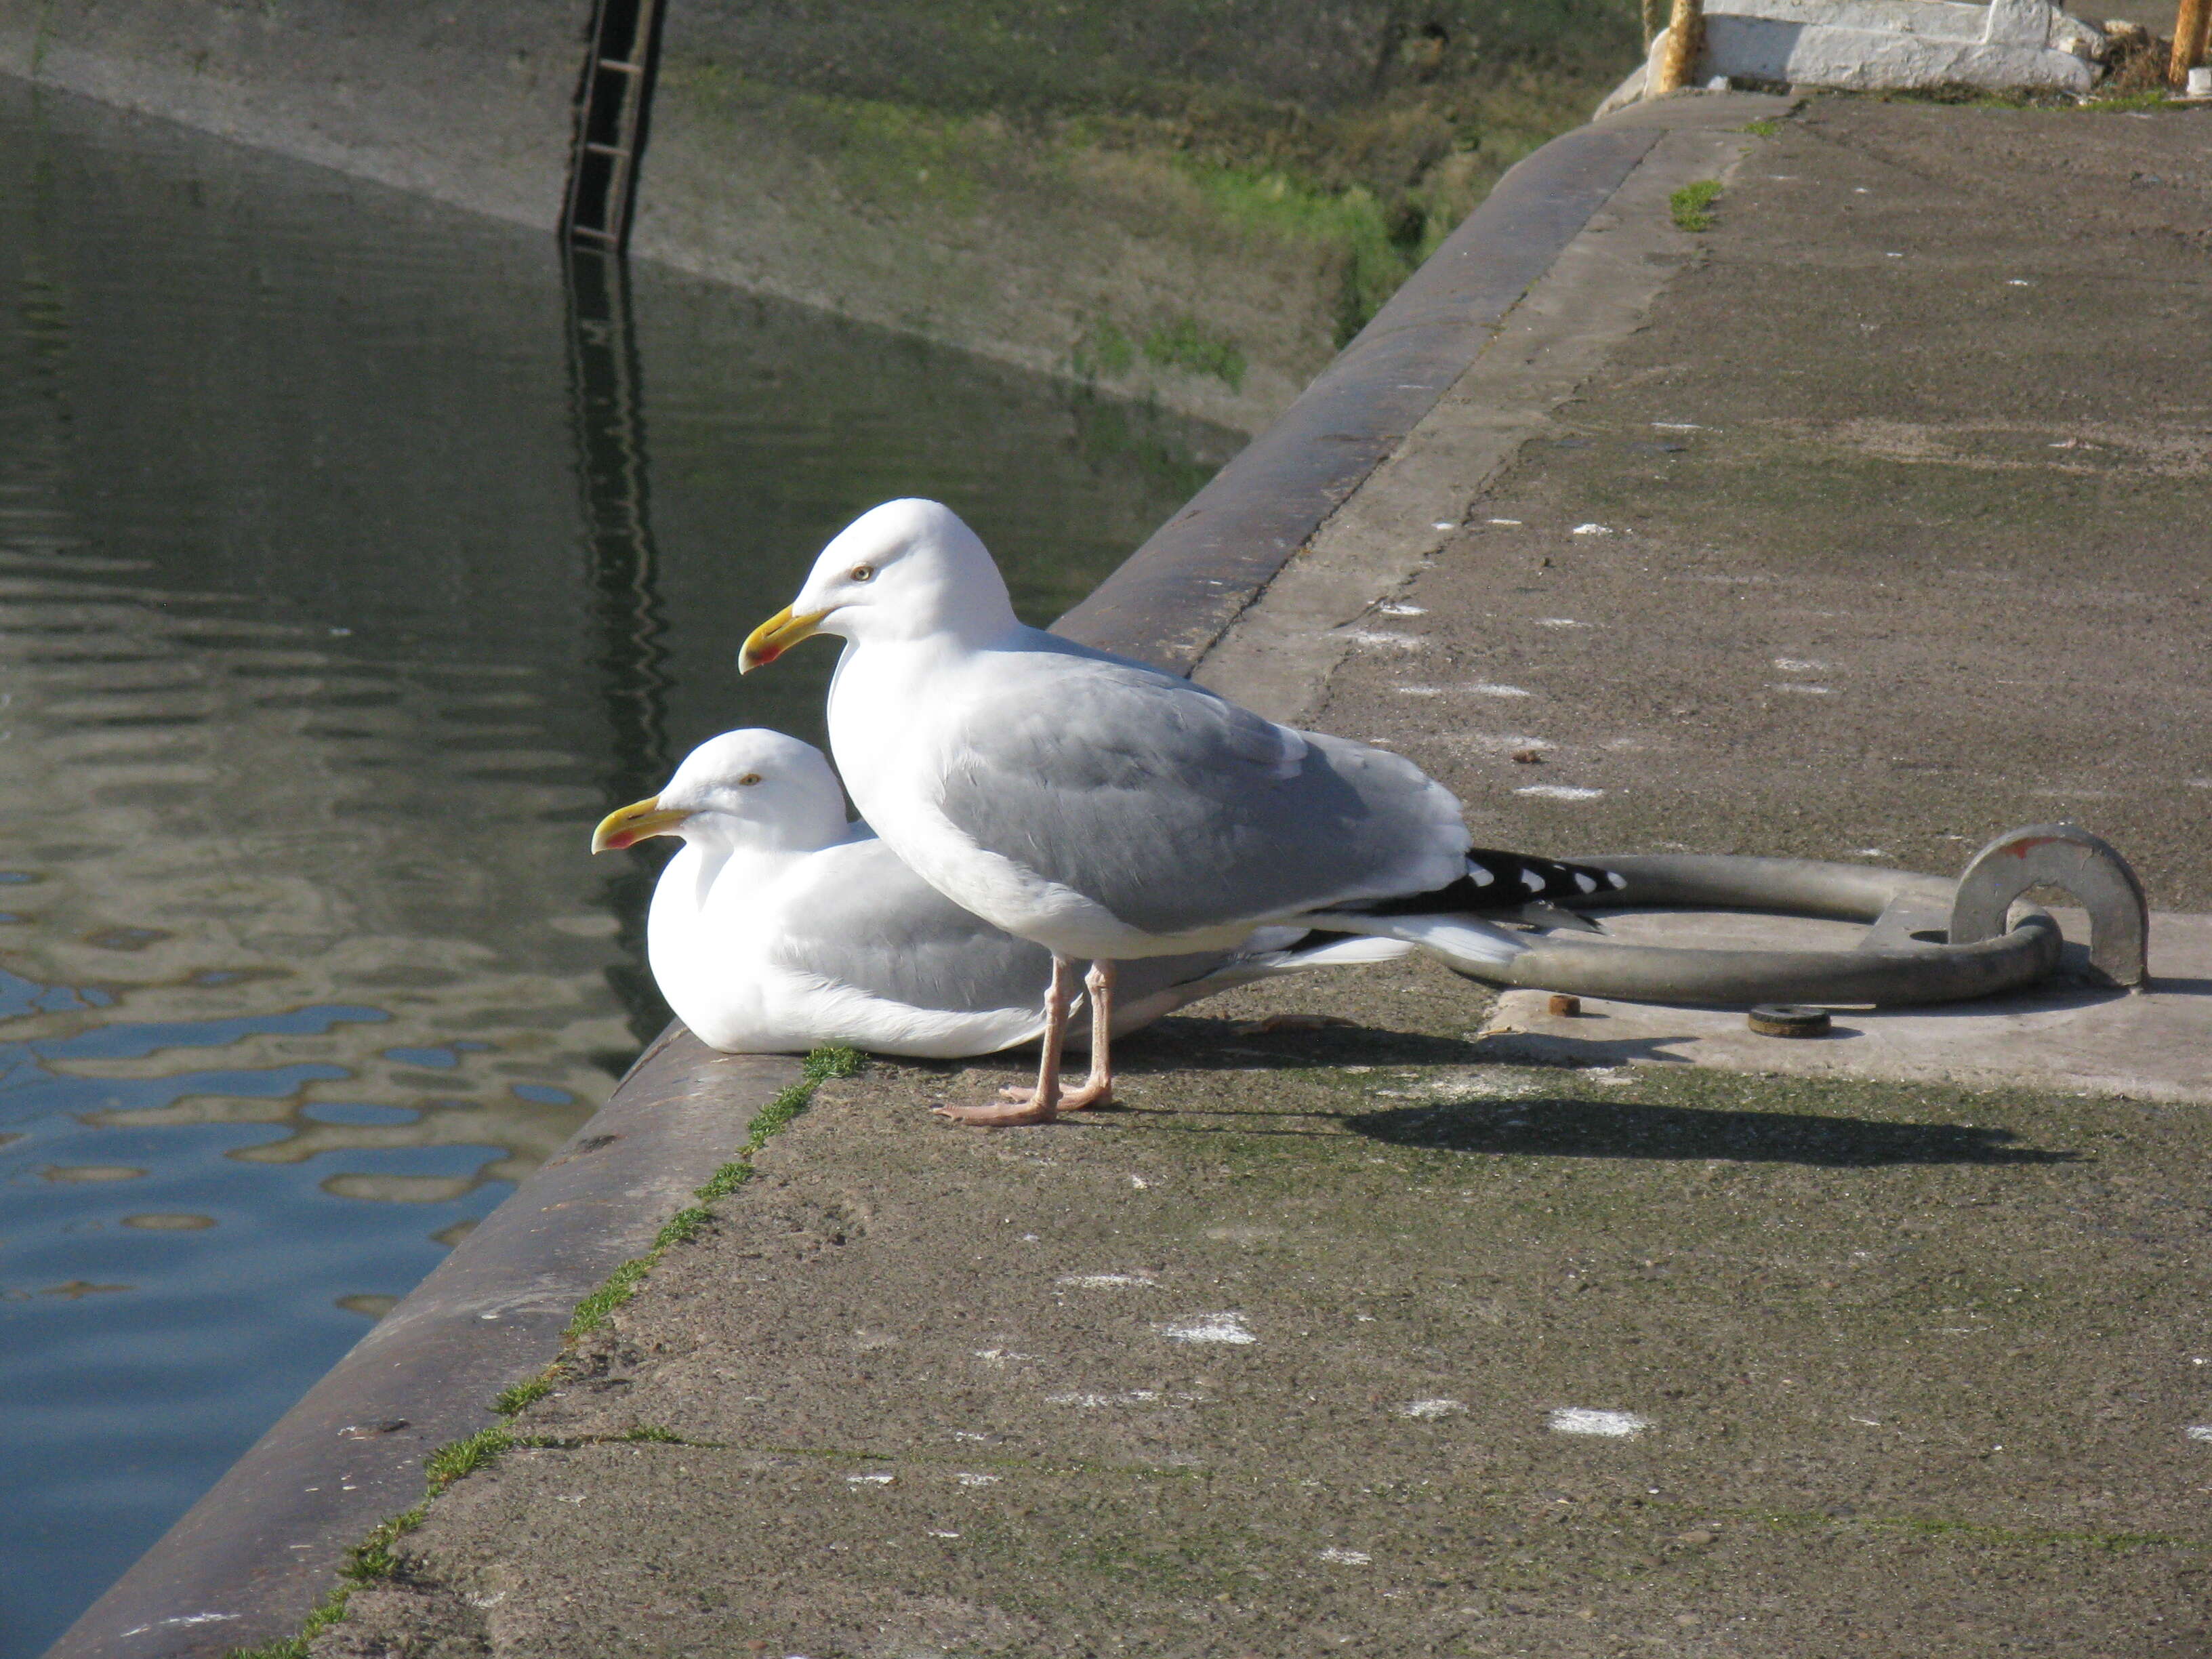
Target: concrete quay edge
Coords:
[[250, 1560]]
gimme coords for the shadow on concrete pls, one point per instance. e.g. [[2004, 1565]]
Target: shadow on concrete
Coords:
[[1596, 1129], [1185, 1044]]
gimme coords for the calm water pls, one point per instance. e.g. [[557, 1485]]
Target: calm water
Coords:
[[348, 571]]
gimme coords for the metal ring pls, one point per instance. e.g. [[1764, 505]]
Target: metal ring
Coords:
[[1893, 963]]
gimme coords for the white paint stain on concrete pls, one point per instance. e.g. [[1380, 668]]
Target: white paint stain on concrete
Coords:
[[2200, 1430], [966, 1479], [1611, 1425], [1591, 530], [1558, 791], [1102, 1281], [1344, 1558], [1799, 665], [185, 1619], [1430, 1408], [1490, 689], [1801, 689], [1380, 637], [1559, 621], [1210, 1327], [870, 1480]]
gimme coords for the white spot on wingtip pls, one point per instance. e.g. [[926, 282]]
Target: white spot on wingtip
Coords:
[[1210, 1327], [1532, 881], [1583, 1419]]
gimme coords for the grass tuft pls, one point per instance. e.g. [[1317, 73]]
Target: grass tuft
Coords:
[[654, 1432], [1764, 127], [450, 1462], [512, 1399], [1692, 205], [620, 1285], [681, 1227], [685, 1225]]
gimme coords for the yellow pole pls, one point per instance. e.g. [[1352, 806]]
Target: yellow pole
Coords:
[[1686, 30], [2188, 29]]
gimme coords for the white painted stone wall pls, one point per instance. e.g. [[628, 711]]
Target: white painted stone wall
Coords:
[[1870, 45]]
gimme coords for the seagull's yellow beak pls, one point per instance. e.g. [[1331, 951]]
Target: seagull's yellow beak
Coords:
[[633, 823], [776, 636]]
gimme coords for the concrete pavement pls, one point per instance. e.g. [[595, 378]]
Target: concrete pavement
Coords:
[[1356, 1340]]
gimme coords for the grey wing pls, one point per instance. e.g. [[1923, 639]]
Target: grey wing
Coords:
[[1176, 810], [866, 920]]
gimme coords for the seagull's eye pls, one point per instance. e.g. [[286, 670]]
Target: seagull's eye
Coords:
[[750, 778], [862, 572]]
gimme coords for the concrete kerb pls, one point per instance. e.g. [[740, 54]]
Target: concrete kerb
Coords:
[[1176, 597], [248, 1563], [252, 1558]]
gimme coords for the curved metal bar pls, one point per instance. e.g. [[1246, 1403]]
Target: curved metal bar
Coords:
[[1886, 969], [2062, 855]]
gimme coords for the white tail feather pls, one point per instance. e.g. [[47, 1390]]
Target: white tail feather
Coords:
[[1456, 939]]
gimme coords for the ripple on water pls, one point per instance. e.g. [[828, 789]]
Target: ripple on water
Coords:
[[316, 676]]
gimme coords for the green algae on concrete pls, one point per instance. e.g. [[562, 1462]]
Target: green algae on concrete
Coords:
[[1904, 1369]]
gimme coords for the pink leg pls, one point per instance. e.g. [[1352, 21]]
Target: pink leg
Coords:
[[1041, 1104], [1097, 1089]]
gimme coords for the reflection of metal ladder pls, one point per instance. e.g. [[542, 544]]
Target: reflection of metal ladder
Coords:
[[622, 581], [611, 102]]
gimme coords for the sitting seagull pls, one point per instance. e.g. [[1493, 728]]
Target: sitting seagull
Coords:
[[780, 927], [1107, 811]]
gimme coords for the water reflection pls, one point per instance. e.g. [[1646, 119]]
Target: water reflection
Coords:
[[334, 608]]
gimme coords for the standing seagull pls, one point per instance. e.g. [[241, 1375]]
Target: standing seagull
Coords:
[[1105, 810]]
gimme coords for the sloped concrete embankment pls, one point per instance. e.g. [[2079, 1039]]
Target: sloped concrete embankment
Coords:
[[1191, 210]]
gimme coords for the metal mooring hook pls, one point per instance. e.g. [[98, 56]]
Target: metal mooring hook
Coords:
[[1929, 940], [2066, 856]]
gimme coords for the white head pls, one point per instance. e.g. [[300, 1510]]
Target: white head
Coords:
[[902, 571], [749, 789]]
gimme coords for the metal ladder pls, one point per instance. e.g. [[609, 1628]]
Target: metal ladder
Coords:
[[610, 120]]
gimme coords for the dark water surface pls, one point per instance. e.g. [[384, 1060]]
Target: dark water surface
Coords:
[[346, 575]]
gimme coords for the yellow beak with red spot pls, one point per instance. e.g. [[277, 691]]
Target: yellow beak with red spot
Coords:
[[776, 636], [633, 824]]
